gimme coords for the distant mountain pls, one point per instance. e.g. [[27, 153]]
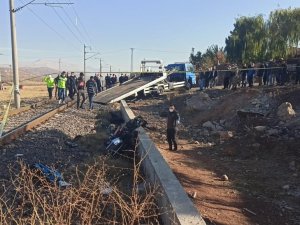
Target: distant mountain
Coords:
[[26, 73]]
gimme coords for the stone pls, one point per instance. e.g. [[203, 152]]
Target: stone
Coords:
[[285, 111], [209, 125], [225, 177], [286, 187], [272, 132], [225, 135], [256, 145], [199, 102], [199, 153], [197, 142], [292, 165], [222, 122], [219, 128], [260, 128]]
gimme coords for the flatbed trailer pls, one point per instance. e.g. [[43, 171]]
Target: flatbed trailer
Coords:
[[129, 88]]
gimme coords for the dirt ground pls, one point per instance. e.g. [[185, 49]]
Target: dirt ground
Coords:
[[258, 152], [31, 92]]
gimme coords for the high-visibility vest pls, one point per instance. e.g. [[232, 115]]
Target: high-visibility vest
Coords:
[[62, 82], [49, 81]]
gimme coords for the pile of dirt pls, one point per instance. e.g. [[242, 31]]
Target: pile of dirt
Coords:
[[239, 134]]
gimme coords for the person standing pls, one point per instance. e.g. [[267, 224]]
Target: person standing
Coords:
[[91, 87], [201, 80], [226, 79], [214, 79], [173, 119], [61, 84], [250, 74], [50, 85], [107, 81], [260, 74], [244, 75], [80, 90], [102, 82], [121, 79], [97, 80], [71, 84], [125, 78]]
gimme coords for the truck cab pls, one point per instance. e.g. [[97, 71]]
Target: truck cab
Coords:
[[181, 75]]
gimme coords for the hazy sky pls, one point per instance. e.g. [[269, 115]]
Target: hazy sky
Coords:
[[157, 29]]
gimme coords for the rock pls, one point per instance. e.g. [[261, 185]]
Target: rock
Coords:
[[209, 125], [194, 195], [219, 128], [205, 132], [199, 102], [256, 145], [225, 135], [197, 143], [222, 122], [285, 111], [260, 128], [225, 177], [272, 132], [286, 187], [199, 153], [292, 165]]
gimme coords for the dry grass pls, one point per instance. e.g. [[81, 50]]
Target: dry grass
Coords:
[[37, 90], [30, 199]]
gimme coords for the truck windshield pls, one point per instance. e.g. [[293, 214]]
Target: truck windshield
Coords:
[[176, 67]]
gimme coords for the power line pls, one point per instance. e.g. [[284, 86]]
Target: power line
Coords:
[[71, 21], [79, 20], [51, 28], [64, 22]]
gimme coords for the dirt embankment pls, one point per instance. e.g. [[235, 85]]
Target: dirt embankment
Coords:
[[240, 134]]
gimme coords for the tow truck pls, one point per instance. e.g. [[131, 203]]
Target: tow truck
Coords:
[[155, 79]]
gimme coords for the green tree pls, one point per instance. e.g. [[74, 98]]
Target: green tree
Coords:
[[214, 55], [196, 60], [248, 40]]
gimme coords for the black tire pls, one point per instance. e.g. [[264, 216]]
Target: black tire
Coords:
[[188, 86], [160, 90]]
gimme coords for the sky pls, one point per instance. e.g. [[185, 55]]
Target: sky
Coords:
[[156, 29]]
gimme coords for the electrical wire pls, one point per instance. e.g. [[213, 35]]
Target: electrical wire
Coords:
[[71, 21], [51, 28], [79, 20], [68, 27]]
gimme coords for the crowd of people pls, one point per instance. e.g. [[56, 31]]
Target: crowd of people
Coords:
[[267, 74], [66, 84]]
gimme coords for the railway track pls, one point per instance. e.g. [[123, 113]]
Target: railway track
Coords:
[[25, 121]]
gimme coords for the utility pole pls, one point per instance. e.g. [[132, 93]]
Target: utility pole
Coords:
[[131, 67], [59, 65], [100, 66], [15, 63], [110, 68], [84, 53]]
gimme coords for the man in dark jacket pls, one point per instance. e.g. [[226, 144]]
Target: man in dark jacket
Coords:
[[91, 87], [171, 127], [80, 90]]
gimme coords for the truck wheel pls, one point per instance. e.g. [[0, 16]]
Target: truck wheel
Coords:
[[160, 90], [188, 86]]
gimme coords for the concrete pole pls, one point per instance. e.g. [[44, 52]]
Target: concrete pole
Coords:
[[15, 62], [131, 66], [84, 52], [100, 66], [59, 65]]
